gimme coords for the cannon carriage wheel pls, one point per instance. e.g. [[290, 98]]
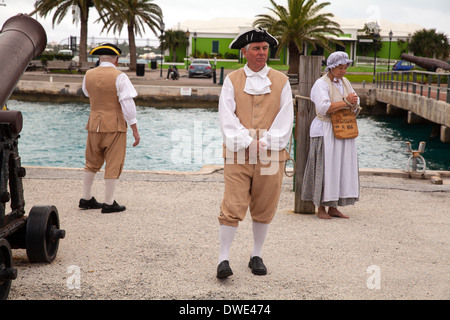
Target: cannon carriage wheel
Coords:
[[7, 272], [43, 234]]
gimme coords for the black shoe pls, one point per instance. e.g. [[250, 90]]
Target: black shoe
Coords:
[[89, 204], [224, 270], [115, 207], [257, 266]]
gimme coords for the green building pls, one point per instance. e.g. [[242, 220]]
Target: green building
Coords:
[[211, 38]]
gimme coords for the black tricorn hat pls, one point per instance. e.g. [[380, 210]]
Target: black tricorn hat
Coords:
[[255, 35], [107, 49]]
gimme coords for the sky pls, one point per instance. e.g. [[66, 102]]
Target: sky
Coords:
[[431, 14]]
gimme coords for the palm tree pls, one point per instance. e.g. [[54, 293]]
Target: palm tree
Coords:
[[44, 7], [430, 44], [174, 39], [366, 47], [301, 21], [136, 14]]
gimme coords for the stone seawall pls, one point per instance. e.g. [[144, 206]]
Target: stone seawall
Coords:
[[156, 96], [148, 95]]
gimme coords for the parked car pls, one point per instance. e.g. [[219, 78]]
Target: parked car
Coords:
[[402, 65], [200, 67], [66, 52]]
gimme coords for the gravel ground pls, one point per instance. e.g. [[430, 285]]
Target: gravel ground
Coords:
[[165, 245]]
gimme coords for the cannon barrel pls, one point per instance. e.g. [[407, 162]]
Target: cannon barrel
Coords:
[[427, 63], [22, 38]]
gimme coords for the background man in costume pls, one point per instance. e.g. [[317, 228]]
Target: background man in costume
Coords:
[[256, 117], [111, 96]]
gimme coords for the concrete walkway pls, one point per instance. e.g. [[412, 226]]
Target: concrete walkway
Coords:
[[151, 77], [165, 245]]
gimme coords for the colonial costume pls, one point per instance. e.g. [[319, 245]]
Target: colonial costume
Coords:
[[254, 105], [331, 175], [111, 96]]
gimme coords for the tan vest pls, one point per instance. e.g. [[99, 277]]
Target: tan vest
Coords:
[[106, 113], [257, 112], [335, 94]]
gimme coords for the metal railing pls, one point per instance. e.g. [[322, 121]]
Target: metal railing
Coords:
[[430, 84]]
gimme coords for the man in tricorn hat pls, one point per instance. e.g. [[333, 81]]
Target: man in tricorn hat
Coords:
[[111, 95], [256, 118]]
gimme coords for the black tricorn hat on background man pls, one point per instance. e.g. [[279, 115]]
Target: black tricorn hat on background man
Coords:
[[255, 35], [107, 49]]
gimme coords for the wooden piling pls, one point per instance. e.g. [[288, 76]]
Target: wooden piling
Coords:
[[310, 71]]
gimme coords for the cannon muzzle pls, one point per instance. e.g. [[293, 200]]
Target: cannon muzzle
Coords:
[[426, 63], [22, 38]]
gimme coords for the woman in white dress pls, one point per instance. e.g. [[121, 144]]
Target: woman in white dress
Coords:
[[331, 176]]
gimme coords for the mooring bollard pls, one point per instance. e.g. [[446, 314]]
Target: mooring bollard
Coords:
[[221, 76], [415, 156]]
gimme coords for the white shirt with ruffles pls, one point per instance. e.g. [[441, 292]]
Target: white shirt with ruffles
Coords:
[[278, 135]]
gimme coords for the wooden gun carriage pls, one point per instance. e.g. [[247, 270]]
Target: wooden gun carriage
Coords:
[[21, 39]]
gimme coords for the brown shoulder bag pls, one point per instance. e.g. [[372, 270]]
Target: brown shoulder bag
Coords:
[[344, 124]]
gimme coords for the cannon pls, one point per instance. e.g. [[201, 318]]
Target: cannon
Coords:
[[426, 63], [21, 39]]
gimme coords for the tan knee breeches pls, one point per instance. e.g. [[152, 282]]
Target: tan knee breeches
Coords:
[[109, 147], [257, 186]]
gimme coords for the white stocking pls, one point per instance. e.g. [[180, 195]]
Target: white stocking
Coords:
[[88, 180], [226, 236], [110, 188], [259, 236]]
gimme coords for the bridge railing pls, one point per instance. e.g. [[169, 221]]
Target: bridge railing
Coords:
[[430, 84]]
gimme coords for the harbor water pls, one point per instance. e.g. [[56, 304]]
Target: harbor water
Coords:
[[181, 139]]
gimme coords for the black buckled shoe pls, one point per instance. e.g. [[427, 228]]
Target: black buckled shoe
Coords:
[[115, 207], [224, 270], [257, 266], [89, 204]]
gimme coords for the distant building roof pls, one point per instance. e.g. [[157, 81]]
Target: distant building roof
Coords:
[[400, 30], [217, 25], [229, 27]]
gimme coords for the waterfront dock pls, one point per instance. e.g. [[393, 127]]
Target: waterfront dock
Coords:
[[153, 90], [165, 245]]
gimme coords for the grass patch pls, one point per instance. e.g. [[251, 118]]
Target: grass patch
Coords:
[[368, 78]]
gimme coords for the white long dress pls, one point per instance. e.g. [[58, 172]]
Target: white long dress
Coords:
[[340, 177]]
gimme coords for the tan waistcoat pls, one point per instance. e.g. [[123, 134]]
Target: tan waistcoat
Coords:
[[257, 112], [106, 113], [335, 94]]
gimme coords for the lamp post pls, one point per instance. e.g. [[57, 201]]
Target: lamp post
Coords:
[[376, 31], [195, 45], [187, 50], [389, 59], [162, 50]]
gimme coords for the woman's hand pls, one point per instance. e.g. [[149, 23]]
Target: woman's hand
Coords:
[[352, 98]]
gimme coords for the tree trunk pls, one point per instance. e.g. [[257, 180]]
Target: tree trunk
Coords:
[[174, 54], [294, 59], [83, 37], [132, 45]]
